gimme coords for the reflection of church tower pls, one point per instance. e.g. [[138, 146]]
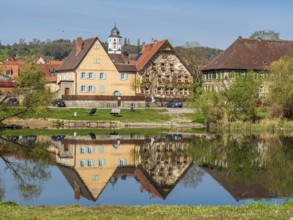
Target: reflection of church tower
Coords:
[[114, 41]]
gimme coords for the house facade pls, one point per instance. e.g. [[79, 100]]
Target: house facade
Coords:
[[90, 75], [242, 56], [162, 72]]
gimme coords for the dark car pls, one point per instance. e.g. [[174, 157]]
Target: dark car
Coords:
[[174, 104], [12, 101], [59, 103]]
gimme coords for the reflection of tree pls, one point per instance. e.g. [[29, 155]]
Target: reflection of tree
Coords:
[[193, 177], [261, 160], [30, 173]]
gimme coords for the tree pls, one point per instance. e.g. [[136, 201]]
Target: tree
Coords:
[[281, 89], [233, 100], [31, 90], [31, 173], [265, 34], [196, 56]]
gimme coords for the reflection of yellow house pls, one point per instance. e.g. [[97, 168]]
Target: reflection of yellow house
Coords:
[[93, 162], [89, 164]]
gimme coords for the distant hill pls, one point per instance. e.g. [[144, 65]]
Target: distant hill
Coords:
[[195, 55]]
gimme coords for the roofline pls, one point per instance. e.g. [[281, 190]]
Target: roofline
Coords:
[[77, 65], [178, 56]]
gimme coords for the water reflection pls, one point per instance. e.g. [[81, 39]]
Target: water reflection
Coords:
[[248, 166], [245, 167], [28, 163], [89, 164]]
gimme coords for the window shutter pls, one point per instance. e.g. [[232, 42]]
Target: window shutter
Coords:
[[94, 75], [126, 76], [80, 88], [80, 75], [86, 88], [102, 89], [87, 75], [124, 162], [79, 150], [105, 75], [93, 149], [94, 89]]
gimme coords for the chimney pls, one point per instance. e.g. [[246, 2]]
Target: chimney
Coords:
[[78, 44], [155, 41]]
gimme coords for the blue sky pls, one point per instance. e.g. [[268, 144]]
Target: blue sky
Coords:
[[213, 23]]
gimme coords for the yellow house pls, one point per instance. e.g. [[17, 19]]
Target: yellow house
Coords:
[[89, 74]]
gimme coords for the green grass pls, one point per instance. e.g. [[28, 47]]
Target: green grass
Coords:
[[80, 132], [196, 117], [139, 115], [252, 211]]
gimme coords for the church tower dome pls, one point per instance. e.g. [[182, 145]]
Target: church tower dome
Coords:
[[114, 41]]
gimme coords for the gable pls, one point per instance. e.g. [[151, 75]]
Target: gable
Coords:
[[97, 59]]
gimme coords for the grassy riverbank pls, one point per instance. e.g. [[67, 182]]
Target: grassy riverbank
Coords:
[[126, 115], [80, 132], [252, 211]]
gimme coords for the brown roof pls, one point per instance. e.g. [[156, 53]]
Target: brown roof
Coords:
[[122, 63], [73, 60], [147, 53], [126, 68], [250, 54]]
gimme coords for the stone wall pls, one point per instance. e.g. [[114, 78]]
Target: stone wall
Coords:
[[104, 104]]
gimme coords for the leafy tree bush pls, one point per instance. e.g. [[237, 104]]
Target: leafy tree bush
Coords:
[[281, 89]]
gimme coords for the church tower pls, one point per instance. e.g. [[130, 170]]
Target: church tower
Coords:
[[114, 41]]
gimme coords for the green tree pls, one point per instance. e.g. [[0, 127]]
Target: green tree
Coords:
[[30, 91], [265, 34], [281, 89], [233, 100]]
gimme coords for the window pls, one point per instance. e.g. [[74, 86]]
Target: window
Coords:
[[59, 76], [94, 191], [91, 163], [82, 88], [69, 75], [91, 149], [123, 76], [8, 72], [102, 75], [102, 89], [101, 163], [64, 76], [261, 89], [83, 75], [101, 149], [91, 89], [95, 177], [96, 46], [96, 60], [91, 75], [122, 162]]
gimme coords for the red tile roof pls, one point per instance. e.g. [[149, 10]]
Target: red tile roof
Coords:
[[250, 54], [147, 53]]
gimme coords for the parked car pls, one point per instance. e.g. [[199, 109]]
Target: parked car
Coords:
[[12, 101], [174, 104], [59, 103]]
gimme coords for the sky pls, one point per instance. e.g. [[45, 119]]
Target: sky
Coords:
[[212, 23]]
